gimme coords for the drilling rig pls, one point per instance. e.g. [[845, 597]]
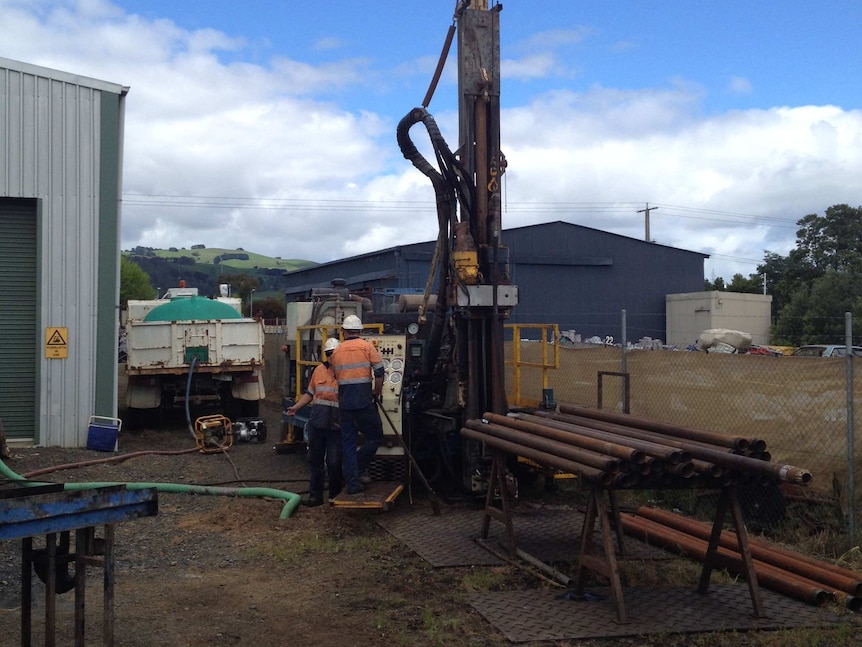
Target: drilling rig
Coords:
[[464, 337], [443, 351]]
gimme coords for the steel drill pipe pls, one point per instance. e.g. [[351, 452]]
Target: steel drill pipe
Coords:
[[599, 461], [684, 470], [689, 433], [705, 467], [620, 433], [649, 466], [599, 446], [728, 460], [768, 576], [636, 432], [784, 559], [666, 453], [543, 458]]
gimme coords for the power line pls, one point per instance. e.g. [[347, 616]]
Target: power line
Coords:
[[158, 200]]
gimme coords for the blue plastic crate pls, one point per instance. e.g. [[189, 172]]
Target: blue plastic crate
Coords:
[[103, 433]]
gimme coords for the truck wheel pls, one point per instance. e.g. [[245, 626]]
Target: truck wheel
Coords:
[[134, 419], [138, 419]]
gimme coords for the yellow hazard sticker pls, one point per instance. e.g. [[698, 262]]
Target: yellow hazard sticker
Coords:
[[56, 343]]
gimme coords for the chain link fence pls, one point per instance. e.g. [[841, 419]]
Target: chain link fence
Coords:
[[805, 408]]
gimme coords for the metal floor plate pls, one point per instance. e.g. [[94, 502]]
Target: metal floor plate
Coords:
[[551, 535], [524, 616]]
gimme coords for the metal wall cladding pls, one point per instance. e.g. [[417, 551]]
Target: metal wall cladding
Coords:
[[575, 276], [51, 140]]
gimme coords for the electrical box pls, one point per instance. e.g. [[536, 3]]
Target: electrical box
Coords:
[[393, 351]]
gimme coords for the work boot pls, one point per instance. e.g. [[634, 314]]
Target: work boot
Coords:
[[356, 490], [313, 501], [365, 478]]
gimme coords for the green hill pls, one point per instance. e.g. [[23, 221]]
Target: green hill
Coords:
[[205, 268], [235, 258]]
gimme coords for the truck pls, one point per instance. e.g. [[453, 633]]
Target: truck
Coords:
[[185, 349]]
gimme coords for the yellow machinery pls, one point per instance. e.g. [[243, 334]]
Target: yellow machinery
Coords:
[[213, 433]]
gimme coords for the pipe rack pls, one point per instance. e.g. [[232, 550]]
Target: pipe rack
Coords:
[[609, 452]]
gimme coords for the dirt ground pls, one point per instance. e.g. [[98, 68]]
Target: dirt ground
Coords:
[[225, 571]]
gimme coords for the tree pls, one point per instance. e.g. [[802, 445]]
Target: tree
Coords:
[[832, 241], [752, 285], [134, 282], [819, 280], [270, 308]]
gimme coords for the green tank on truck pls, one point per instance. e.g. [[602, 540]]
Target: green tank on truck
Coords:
[[189, 347]]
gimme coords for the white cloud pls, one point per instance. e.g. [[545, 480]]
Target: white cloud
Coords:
[[279, 171], [739, 85]]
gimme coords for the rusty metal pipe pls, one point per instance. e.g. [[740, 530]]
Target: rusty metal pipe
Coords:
[[685, 470], [784, 559], [543, 458], [664, 452], [852, 602], [767, 575], [617, 450], [787, 473], [689, 433], [637, 432], [705, 467], [599, 461]]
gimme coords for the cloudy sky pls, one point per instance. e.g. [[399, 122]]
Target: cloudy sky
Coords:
[[270, 124]]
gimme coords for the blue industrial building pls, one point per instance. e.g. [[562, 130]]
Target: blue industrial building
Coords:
[[577, 277]]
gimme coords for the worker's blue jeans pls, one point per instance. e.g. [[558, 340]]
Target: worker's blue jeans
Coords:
[[354, 461], [324, 459]]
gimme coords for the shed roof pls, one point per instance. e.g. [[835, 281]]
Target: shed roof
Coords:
[[58, 75]]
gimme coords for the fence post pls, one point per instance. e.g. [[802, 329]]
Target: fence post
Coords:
[[624, 338], [851, 481]]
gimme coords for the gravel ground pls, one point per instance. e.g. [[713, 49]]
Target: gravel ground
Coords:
[[226, 571]]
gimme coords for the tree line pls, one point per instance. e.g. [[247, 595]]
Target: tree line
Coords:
[[818, 281]]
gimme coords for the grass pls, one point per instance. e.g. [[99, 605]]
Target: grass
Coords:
[[483, 579]]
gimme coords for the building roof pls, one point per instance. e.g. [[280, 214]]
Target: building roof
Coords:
[[65, 77], [410, 246]]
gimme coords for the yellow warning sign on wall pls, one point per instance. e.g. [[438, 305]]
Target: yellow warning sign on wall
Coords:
[[56, 343]]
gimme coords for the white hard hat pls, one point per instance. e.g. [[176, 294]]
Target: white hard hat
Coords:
[[331, 344], [352, 322]]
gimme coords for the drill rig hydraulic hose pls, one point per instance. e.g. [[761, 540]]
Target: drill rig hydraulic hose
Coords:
[[449, 187]]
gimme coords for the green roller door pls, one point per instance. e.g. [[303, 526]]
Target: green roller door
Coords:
[[18, 299]]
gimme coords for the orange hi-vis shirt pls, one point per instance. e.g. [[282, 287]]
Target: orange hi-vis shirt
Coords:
[[323, 389], [356, 362]]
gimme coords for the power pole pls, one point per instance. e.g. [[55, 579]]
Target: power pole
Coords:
[[645, 212]]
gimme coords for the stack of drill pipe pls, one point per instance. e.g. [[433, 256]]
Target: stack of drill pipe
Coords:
[[782, 570], [711, 448], [593, 466], [670, 466], [597, 456], [739, 443]]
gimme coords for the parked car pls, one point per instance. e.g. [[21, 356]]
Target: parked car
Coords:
[[825, 350]]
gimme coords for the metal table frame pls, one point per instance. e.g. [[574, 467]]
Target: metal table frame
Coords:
[[602, 508], [34, 511]]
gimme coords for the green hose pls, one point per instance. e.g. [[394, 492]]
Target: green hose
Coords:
[[291, 499]]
